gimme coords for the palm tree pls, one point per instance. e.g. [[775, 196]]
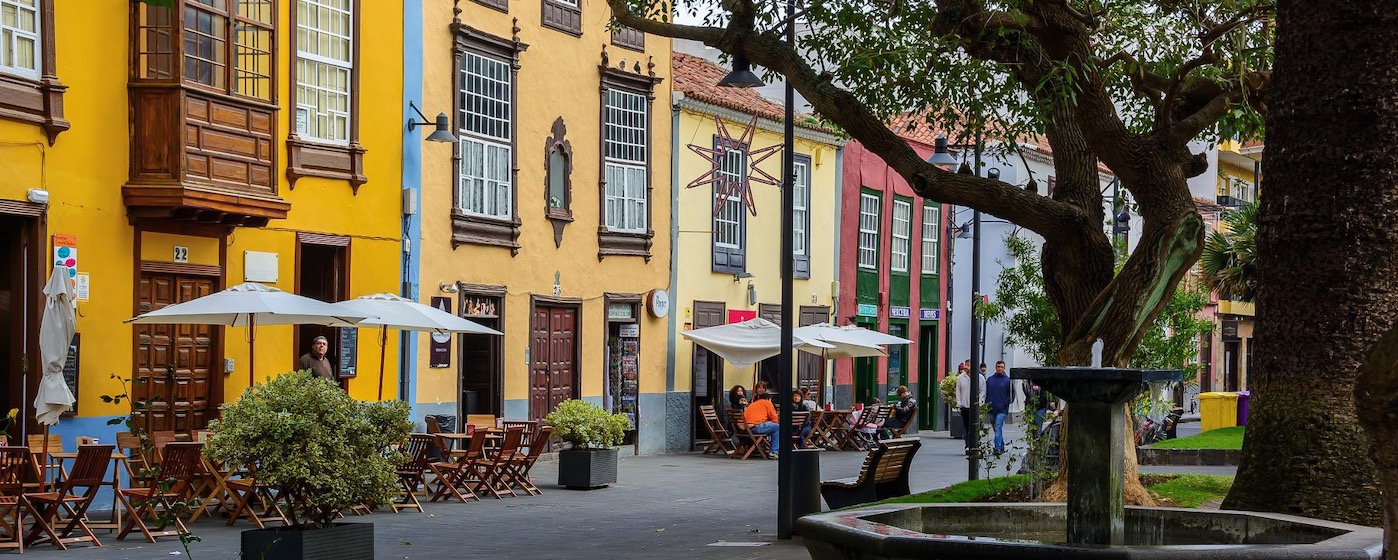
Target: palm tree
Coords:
[[1229, 257]]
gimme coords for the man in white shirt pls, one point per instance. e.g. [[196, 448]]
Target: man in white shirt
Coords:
[[963, 399]]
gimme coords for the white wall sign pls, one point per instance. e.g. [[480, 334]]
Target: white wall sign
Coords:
[[181, 254], [259, 267]]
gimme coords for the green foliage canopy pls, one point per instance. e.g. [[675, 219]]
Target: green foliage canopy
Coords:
[[324, 450], [1230, 255]]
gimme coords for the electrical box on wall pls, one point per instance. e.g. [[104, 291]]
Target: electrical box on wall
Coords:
[[409, 201], [835, 289]]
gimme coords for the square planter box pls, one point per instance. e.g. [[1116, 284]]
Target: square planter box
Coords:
[[344, 541], [585, 469]]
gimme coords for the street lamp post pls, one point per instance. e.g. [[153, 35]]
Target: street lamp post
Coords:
[[741, 77]]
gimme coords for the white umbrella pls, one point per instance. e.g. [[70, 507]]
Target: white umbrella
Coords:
[[388, 311], [249, 305], [850, 341], [55, 334], [748, 342]]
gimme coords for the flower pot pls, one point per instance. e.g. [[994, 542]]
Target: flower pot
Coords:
[[585, 469], [343, 541]]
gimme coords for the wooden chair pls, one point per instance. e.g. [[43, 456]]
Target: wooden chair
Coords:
[[481, 420], [799, 418], [530, 426], [519, 465], [493, 470], [884, 475], [719, 438], [16, 467], [248, 497], [179, 464], [411, 472], [457, 476], [744, 441], [51, 467], [88, 474]]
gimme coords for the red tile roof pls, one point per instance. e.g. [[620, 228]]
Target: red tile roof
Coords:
[[1206, 205], [698, 78]]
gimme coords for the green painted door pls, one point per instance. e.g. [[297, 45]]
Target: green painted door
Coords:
[[929, 402]]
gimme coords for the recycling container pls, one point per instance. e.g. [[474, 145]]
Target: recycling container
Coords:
[[1218, 410], [1243, 397]]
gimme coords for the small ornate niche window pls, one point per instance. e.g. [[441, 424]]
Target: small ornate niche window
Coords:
[[558, 165]]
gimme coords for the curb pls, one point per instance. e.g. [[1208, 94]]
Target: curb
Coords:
[[1188, 457]]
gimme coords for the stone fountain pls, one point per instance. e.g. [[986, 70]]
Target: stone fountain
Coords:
[[1094, 523]]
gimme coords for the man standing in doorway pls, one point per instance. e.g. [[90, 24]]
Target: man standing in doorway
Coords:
[[963, 399], [1000, 394], [316, 361]]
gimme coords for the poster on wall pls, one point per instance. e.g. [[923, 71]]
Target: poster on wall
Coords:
[[440, 354]]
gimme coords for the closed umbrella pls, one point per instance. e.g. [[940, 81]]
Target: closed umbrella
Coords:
[[388, 311], [748, 342], [55, 334], [249, 305]]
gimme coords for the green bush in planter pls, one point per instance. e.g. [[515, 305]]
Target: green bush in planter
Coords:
[[310, 440], [586, 425]]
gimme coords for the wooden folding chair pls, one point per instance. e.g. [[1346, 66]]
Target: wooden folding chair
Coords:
[[719, 438], [519, 465], [799, 418], [411, 471], [248, 497], [456, 476], [529, 426], [89, 473], [16, 467], [493, 470], [744, 441], [480, 420], [52, 467], [179, 464]]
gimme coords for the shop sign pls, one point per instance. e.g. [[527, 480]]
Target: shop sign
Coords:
[[897, 312], [868, 310], [740, 315], [1230, 330], [929, 314], [439, 353], [630, 330], [621, 311]]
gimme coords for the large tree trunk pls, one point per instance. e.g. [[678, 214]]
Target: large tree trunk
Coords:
[[1327, 262]]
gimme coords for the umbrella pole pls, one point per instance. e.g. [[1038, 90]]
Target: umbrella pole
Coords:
[[383, 345], [252, 349], [44, 457]]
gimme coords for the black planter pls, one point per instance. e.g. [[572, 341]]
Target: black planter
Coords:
[[343, 541], [585, 469]]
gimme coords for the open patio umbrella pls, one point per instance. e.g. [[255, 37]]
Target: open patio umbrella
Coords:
[[249, 305], [748, 342], [55, 334], [850, 341], [388, 311]]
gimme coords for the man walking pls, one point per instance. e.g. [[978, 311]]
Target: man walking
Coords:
[[963, 399], [1000, 394], [761, 418]]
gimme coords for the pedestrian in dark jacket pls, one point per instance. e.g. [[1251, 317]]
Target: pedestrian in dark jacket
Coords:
[[1000, 394]]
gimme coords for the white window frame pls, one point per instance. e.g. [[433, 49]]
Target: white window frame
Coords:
[[13, 35], [868, 231], [485, 185], [931, 233], [901, 242], [800, 216], [310, 87], [626, 115], [728, 222]]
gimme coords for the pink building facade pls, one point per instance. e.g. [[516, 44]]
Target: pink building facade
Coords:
[[893, 278]]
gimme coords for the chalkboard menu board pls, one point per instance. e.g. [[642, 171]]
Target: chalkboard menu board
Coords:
[[70, 371], [349, 352]]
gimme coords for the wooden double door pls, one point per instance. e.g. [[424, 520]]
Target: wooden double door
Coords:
[[553, 375], [175, 364]]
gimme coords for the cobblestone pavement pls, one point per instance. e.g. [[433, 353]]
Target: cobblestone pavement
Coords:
[[665, 506]]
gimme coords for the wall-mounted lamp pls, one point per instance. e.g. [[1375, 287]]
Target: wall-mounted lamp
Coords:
[[740, 276], [752, 294], [965, 232], [741, 76], [940, 155], [442, 125], [448, 287]]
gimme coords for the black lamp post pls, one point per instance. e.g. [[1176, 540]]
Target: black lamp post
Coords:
[[742, 76]]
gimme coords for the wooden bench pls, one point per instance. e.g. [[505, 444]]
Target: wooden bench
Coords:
[[884, 475]]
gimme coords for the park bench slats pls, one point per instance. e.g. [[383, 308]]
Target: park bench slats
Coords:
[[884, 475]]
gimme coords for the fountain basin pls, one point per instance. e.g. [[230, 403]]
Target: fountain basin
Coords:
[[1037, 530]]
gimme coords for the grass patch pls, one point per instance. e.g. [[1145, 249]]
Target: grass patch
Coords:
[[1222, 438], [970, 491], [1190, 490]]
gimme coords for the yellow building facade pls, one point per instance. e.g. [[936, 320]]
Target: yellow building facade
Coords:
[[545, 216], [1239, 174], [728, 265], [171, 152]]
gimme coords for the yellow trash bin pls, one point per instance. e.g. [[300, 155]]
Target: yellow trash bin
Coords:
[[1218, 410]]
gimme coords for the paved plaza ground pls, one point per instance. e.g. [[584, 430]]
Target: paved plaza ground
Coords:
[[666, 506]]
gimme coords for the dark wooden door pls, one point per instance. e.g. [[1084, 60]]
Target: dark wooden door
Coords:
[[174, 363], [707, 369], [810, 368], [553, 376]]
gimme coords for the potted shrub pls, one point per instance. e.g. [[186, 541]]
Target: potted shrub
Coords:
[[594, 434], [323, 450], [947, 388]]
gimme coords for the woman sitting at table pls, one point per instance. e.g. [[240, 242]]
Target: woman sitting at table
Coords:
[[798, 404], [810, 402], [869, 429], [737, 398]]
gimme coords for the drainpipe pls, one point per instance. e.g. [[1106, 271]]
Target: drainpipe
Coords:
[[412, 181], [674, 255]]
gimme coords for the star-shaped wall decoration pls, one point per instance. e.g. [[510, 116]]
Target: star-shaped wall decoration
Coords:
[[725, 185]]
